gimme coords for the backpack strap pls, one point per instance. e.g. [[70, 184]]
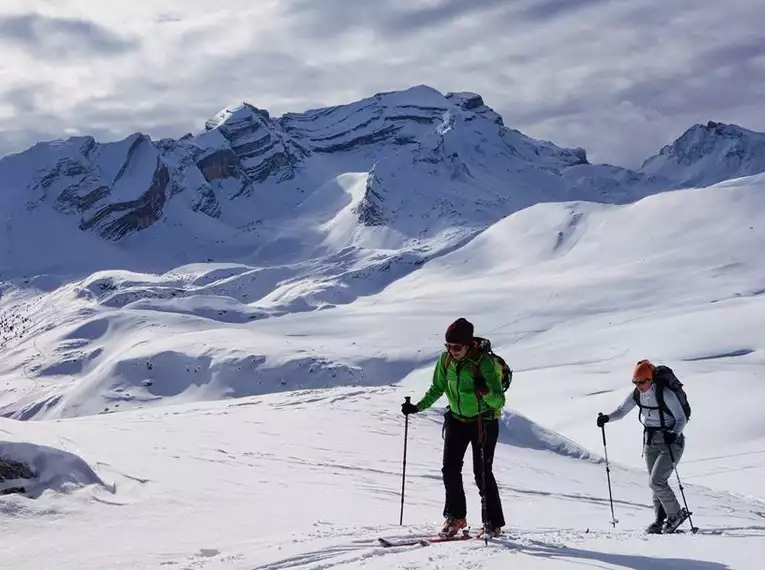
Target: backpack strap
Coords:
[[662, 404], [476, 364], [660, 400], [636, 397]]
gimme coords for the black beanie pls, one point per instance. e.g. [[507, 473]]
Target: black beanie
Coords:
[[460, 332]]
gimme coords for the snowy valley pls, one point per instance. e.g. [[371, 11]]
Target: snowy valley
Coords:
[[206, 341]]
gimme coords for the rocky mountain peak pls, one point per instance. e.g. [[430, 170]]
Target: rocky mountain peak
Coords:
[[430, 161], [708, 153]]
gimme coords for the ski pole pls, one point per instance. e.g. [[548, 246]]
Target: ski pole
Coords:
[[694, 529], [403, 471], [608, 474], [481, 439]]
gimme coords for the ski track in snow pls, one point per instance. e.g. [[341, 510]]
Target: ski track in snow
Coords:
[[554, 544]]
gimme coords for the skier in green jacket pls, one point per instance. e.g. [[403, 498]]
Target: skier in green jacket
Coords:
[[472, 383]]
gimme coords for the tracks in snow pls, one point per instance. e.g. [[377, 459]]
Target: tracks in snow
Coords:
[[545, 543]]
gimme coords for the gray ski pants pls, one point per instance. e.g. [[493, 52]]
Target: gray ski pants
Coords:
[[659, 463]]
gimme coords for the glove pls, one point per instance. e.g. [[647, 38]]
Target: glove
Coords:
[[602, 419], [409, 408], [480, 386], [670, 437]]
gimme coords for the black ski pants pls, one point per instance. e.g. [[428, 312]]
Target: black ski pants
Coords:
[[457, 436]]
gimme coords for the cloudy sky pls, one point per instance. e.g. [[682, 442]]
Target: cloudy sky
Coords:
[[620, 78]]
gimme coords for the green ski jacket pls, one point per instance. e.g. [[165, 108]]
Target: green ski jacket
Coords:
[[458, 382]]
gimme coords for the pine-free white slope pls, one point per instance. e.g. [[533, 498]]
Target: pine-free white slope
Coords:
[[676, 278], [573, 294], [311, 479]]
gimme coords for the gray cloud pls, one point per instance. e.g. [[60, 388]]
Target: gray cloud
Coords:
[[61, 38], [739, 52], [620, 78], [25, 99], [734, 86], [549, 9], [168, 18], [444, 13], [330, 17]]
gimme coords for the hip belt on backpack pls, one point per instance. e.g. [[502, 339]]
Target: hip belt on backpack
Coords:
[[648, 433]]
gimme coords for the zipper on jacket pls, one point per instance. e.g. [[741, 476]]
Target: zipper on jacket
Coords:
[[457, 370]]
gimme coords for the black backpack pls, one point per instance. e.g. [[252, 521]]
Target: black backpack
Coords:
[[665, 378]]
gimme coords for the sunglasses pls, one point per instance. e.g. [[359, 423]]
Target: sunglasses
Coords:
[[454, 347], [640, 382]]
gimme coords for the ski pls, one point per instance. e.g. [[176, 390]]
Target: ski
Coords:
[[450, 538], [693, 530], [388, 543], [421, 541]]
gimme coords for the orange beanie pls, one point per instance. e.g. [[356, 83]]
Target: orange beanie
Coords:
[[643, 369]]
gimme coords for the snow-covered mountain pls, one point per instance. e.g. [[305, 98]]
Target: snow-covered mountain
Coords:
[[706, 154], [257, 217], [394, 171], [205, 342], [412, 173]]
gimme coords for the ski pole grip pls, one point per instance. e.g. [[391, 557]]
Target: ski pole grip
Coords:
[[407, 398]]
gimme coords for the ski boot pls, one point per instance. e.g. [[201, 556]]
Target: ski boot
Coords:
[[655, 527], [451, 527], [489, 532], [674, 522]]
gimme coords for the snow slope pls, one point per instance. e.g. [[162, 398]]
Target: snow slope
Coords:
[[103, 343], [310, 479], [302, 469], [199, 396]]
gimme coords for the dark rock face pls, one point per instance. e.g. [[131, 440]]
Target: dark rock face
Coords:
[[223, 163], [207, 203], [370, 209], [258, 147], [119, 219], [114, 189], [12, 471], [473, 101]]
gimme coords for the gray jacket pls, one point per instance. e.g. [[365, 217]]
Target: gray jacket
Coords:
[[651, 418]]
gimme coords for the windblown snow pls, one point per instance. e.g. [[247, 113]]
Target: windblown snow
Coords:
[[219, 385]]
